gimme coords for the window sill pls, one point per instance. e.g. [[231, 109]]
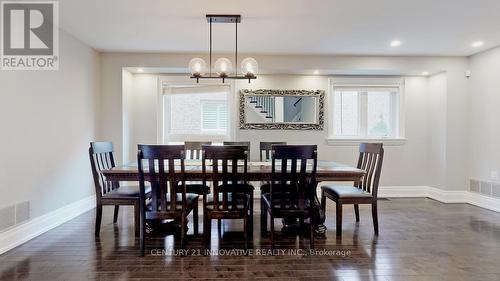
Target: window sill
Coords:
[[357, 141]]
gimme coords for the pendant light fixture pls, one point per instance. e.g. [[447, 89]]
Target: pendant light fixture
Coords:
[[223, 68]]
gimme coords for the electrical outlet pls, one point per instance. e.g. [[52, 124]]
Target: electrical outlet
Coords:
[[494, 175]]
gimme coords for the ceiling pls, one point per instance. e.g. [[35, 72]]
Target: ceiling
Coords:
[[354, 27]]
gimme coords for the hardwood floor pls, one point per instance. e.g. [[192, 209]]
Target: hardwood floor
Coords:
[[420, 239]]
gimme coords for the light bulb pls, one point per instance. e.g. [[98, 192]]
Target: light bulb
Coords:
[[223, 67], [197, 67], [249, 67]]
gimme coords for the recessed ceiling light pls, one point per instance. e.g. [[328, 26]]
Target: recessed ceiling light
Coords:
[[395, 43], [140, 70], [425, 73], [477, 44], [316, 72]]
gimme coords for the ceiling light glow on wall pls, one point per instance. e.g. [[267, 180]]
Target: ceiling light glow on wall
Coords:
[[140, 70], [395, 43], [316, 72], [477, 44], [425, 73]]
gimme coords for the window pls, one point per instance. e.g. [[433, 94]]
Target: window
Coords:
[[191, 111], [366, 112]]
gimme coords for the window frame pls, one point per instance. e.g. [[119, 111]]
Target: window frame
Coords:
[[398, 110], [165, 82]]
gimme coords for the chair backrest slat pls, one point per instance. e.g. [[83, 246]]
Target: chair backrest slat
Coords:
[[370, 160]]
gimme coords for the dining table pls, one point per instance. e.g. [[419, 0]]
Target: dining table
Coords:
[[256, 171]]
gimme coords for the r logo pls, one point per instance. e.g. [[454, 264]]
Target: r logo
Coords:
[[28, 29]]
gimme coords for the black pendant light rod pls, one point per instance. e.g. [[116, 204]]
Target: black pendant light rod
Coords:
[[210, 63], [236, 51]]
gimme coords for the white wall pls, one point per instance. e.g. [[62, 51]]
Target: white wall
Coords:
[[436, 119], [47, 119], [484, 114], [404, 165]]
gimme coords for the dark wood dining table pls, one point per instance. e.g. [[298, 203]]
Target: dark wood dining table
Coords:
[[256, 171]]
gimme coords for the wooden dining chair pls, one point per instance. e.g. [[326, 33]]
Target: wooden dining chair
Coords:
[[250, 189], [292, 187], [194, 148], [193, 151], [230, 198], [165, 202], [265, 155], [266, 149], [365, 191], [110, 193]]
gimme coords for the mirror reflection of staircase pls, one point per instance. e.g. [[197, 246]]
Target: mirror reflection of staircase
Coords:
[[264, 106]]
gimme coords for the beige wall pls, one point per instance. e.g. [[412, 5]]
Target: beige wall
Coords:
[[436, 119], [410, 164], [48, 119], [484, 114]]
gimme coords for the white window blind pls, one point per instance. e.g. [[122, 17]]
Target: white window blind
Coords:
[[214, 115]]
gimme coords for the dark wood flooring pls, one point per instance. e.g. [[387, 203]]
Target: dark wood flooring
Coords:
[[420, 239]]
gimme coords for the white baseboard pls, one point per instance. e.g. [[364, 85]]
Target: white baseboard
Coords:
[[28, 230], [445, 196]]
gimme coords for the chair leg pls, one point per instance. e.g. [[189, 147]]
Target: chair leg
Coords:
[[195, 218], [219, 227], [137, 219], [272, 231], [263, 217], [245, 229], [339, 219], [323, 201], [311, 229], [98, 219], [207, 224], [183, 230], [375, 218], [250, 217], [356, 212], [142, 234], [115, 215]]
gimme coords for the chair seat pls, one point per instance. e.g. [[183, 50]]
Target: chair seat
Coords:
[[190, 198], [277, 202], [345, 191], [194, 187], [126, 191], [241, 201]]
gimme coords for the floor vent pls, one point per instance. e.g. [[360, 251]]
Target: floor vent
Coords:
[[484, 187], [14, 214]]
